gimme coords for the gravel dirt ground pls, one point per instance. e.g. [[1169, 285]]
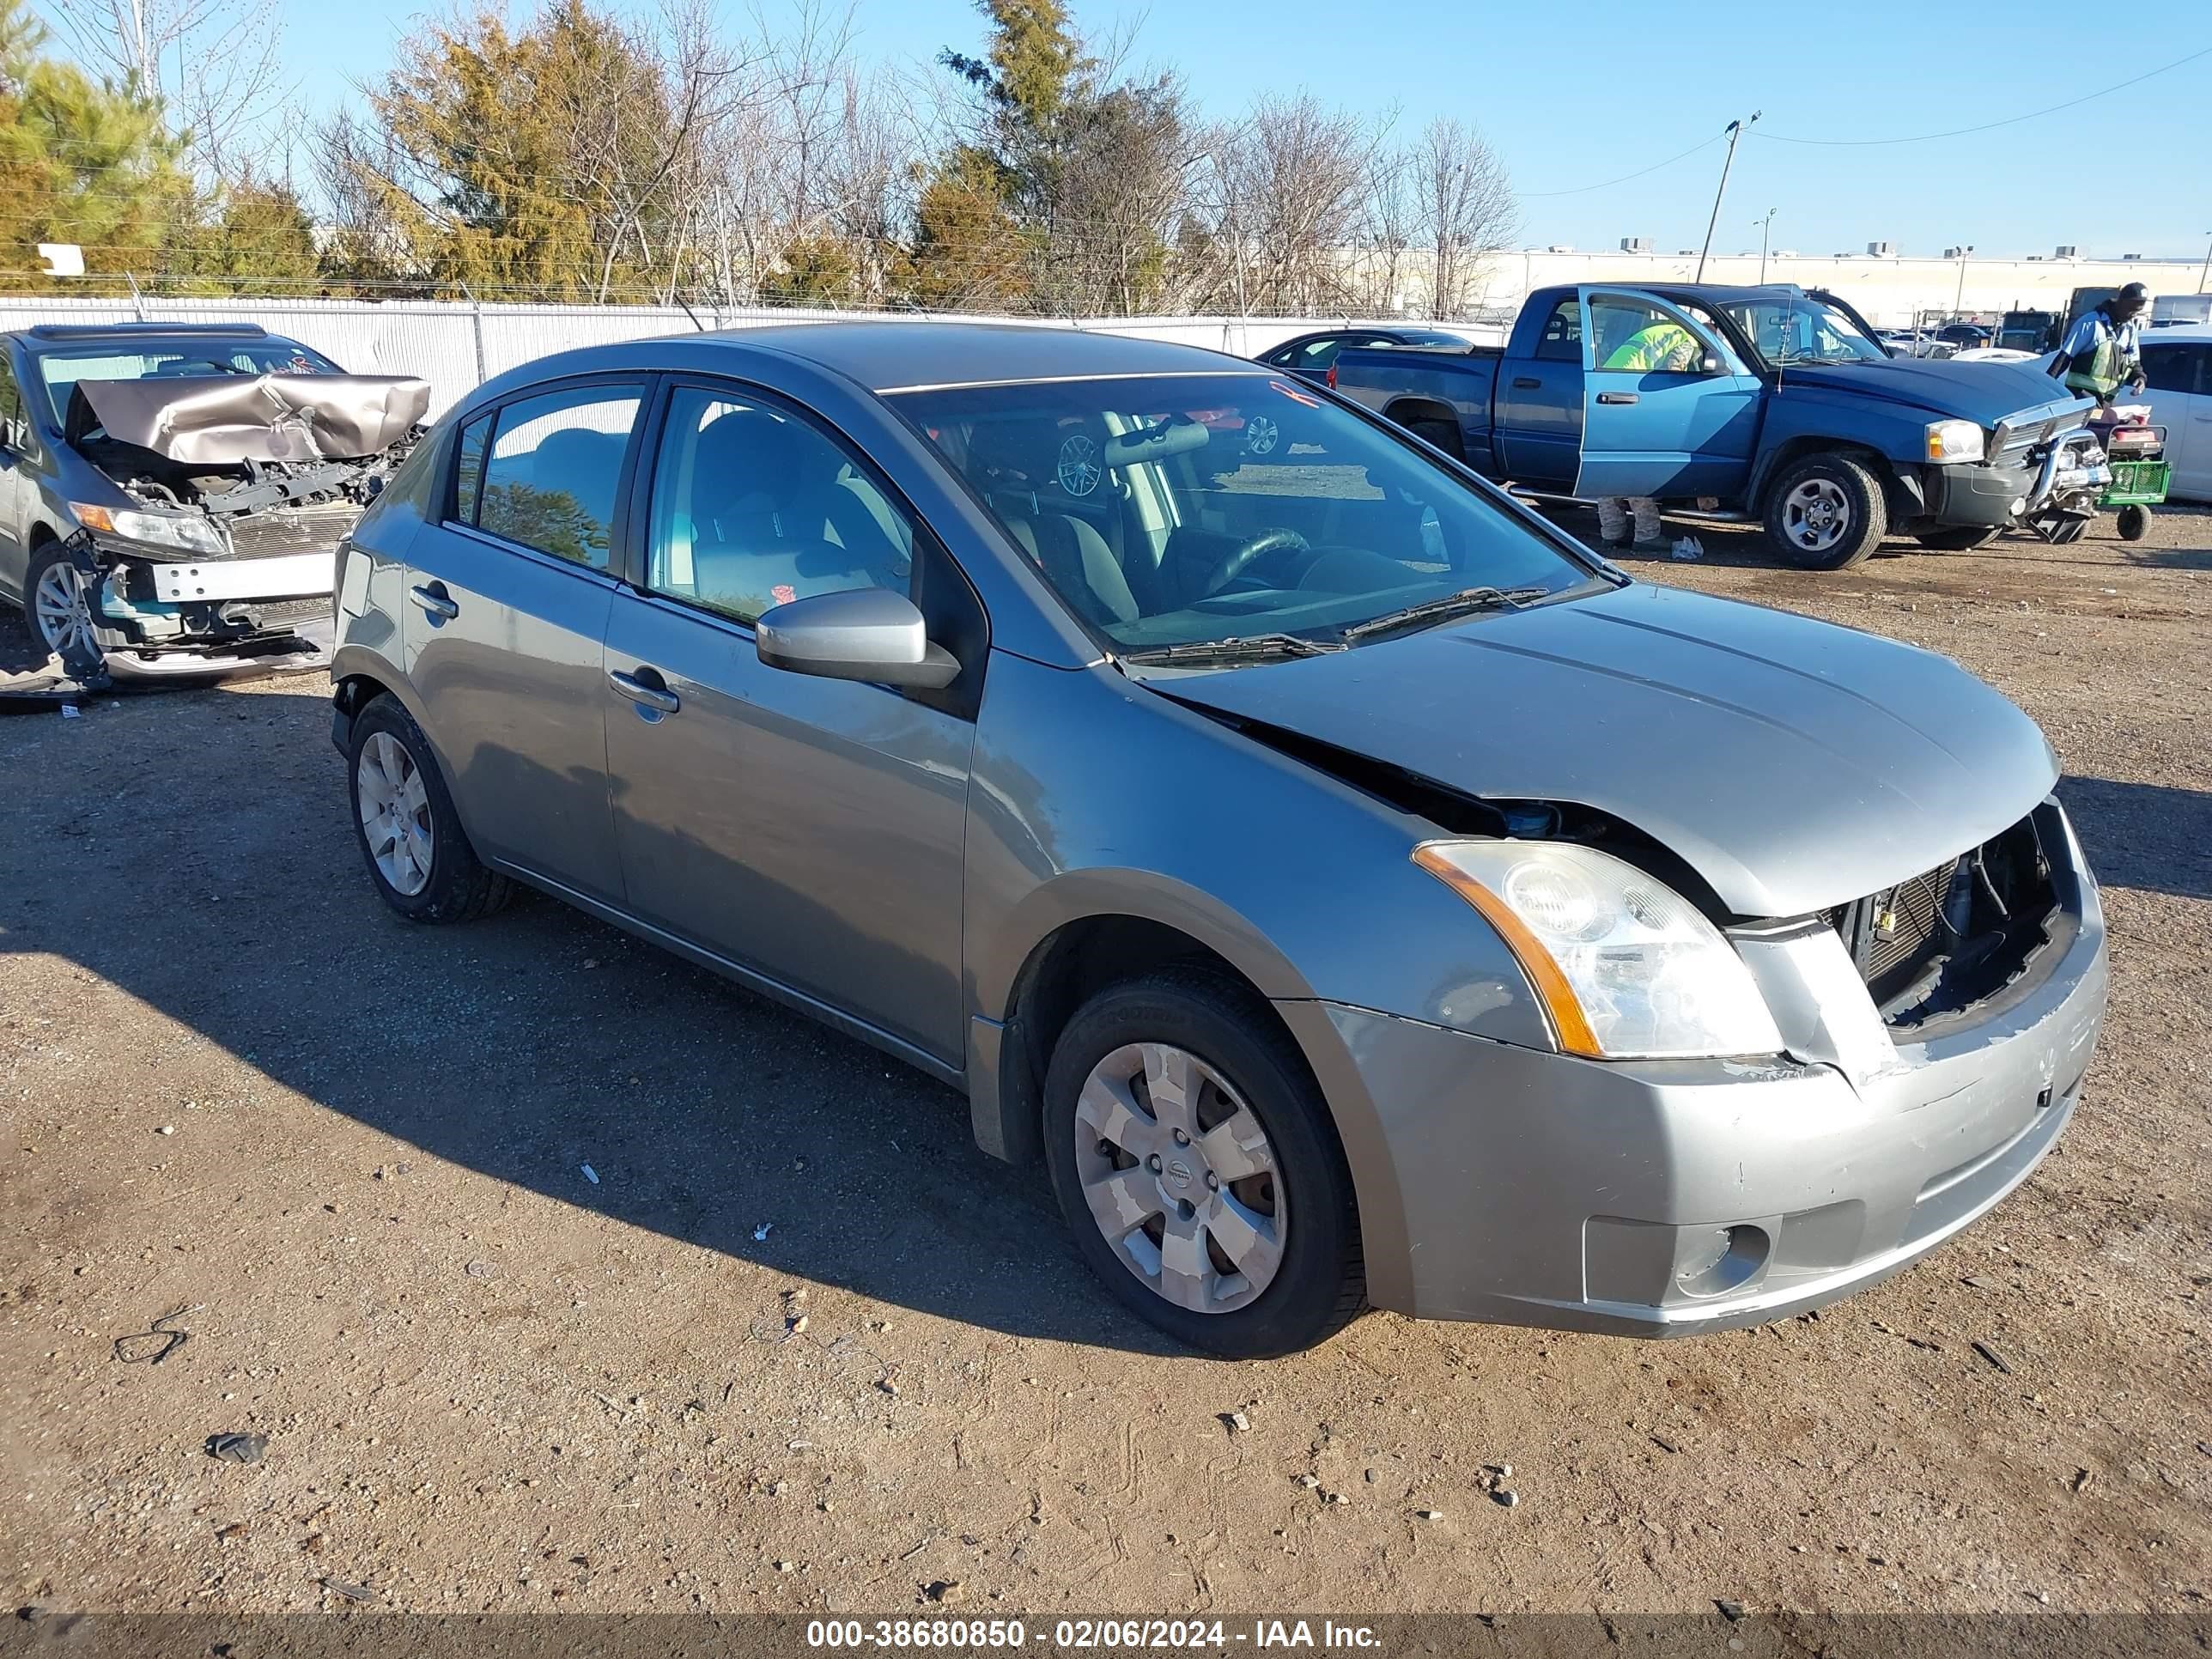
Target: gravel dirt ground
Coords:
[[561, 1275]]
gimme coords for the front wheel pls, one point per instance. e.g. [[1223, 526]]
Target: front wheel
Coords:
[[1195, 1162], [2133, 522], [411, 838], [57, 601], [1826, 512]]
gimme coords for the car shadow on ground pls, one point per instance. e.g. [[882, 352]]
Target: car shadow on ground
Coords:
[[523, 1047], [2148, 837]]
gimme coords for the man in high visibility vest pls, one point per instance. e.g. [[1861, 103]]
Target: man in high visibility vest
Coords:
[[2103, 351], [1660, 343]]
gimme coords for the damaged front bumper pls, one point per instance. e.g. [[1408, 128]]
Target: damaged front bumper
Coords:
[[160, 618], [1678, 1197]]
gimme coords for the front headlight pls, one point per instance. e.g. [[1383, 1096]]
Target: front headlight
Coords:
[[1626, 968], [186, 532], [1955, 441]]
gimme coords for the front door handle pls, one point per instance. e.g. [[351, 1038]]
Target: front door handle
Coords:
[[1526, 382], [1616, 397], [643, 692], [436, 601]]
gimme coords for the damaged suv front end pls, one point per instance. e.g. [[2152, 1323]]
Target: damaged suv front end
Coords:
[[190, 491]]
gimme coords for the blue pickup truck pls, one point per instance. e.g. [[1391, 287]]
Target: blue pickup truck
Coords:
[[1771, 404]]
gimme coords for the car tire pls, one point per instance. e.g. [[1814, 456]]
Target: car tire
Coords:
[[411, 838], [55, 565], [1295, 1227], [1962, 539], [1826, 512]]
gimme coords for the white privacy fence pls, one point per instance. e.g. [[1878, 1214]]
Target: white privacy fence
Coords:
[[454, 345]]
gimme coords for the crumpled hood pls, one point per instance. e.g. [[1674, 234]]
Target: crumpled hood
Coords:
[[1984, 393], [1793, 764], [221, 419]]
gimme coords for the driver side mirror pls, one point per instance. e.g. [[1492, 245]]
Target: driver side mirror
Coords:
[[866, 633], [1710, 363]]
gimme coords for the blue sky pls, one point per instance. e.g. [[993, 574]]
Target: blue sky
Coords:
[[1572, 96]]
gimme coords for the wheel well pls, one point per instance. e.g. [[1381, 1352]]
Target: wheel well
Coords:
[[1407, 410], [356, 691], [1066, 969], [42, 533], [1787, 455]]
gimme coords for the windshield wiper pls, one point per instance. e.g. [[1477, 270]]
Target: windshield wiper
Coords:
[[1252, 647], [1467, 602]]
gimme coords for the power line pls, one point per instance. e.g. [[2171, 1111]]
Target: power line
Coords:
[[1987, 126], [1583, 190]]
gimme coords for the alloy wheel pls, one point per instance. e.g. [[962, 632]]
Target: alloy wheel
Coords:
[[395, 813], [1816, 515], [61, 605], [1179, 1175], [1262, 435]]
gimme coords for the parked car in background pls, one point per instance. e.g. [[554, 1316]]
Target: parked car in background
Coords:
[[1352, 889], [1784, 408], [2178, 373], [1311, 355], [171, 494]]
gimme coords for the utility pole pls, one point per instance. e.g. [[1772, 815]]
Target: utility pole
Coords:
[[1958, 299], [2207, 271], [1735, 132], [1764, 226]]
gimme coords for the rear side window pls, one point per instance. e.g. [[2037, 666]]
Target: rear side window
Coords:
[[2175, 368], [550, 477], [1562, 339]]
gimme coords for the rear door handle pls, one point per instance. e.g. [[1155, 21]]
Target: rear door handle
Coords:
[[436, 601], [1526, 382], [659, 697], [1616, 397]]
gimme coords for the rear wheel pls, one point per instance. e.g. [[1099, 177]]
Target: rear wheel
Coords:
[[1963, 539], [2133, 522], [1826, 512], [1443, 434], [411, 839], [1196, 1165]]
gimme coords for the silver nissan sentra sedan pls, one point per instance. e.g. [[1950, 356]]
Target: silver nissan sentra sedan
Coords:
[[1351, 888]]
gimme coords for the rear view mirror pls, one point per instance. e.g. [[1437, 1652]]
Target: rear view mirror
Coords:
[[866, 633]]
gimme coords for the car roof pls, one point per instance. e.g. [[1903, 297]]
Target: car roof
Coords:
[[908, 356]]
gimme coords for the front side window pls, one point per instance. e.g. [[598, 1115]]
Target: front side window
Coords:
[[552, 469], [753, 508], [1634, 334], [1174, 508]]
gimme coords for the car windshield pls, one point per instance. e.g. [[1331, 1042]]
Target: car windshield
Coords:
[[1174, 510], [61, 371], [1786, 329]]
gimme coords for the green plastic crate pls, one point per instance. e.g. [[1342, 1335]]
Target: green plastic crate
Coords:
[[2137, 484]]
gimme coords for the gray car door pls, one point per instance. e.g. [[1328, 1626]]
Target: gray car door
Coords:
[[809, 830], [508, 599], [19, 483]]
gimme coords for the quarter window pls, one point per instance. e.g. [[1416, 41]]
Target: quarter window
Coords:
[[548, 479], [753, 508]]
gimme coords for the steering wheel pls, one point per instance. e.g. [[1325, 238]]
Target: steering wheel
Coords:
[[1233, 563]]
